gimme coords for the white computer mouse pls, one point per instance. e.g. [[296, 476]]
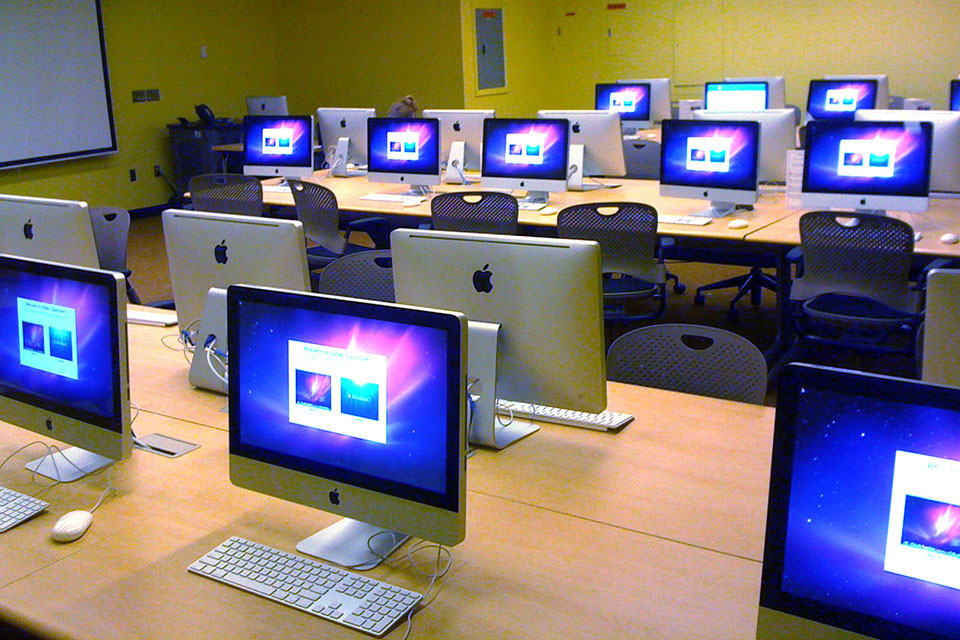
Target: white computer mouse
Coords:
[[949, 238], [918, 236], [71, 526], [738, 224]]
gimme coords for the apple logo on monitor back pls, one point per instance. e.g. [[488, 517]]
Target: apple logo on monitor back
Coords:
[[482, 280], [863, 201], [576, 127], [706, 194], [334, 497], [343, 123], [28, 229], [220, 252], [456, 126]]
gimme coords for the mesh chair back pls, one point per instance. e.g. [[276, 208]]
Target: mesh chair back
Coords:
[[642, 159], [626, 232], [227, 193], [692, 359], [368, 274], [475, 211], [861, 254], [318, 211], [111, 228]]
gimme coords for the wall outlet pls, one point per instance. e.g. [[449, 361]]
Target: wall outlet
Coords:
[[157, 171], [133, 175]]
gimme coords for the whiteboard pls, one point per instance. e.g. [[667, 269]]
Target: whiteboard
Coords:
[[54, 82]]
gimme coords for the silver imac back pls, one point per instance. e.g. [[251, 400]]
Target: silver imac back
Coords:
[[48, 229], [461, 125], [216, 250], [267, 106]]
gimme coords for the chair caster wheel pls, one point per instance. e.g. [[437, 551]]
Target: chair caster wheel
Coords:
[[733, 315], [679, 288], [699, 300]]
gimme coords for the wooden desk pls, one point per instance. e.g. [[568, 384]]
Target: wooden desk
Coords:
[[651, 533]]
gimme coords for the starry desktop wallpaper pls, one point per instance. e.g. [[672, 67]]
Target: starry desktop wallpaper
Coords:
[[744, 146], [554, 152], [866, 92], [300, 141], [425, 159]]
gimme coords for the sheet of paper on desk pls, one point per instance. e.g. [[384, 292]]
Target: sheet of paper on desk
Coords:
[[794, 178]]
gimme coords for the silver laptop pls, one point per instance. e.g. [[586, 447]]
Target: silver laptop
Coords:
[[48, 229], [941, 335]]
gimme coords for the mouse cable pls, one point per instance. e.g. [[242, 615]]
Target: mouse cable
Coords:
[[108, 489], [27, 446], [213, 353]]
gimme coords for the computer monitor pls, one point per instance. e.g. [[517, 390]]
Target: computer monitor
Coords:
[[631, 101], [404, 151], [267, 106], [735, 96], [863, 522], [525, 154], [278, 146], [778, 134], [867, 166], [776, 89], [596, 145], [354, 407], [63, 373], [945, 158], [545, 294], [955, 95], [47, 229], [461, 140], [840, 99], [343, 134], [660, 108], [883, 86], [714, 160], [216, 250]]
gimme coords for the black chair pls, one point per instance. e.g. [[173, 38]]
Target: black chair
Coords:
[[475, 212], [227, 193], [368, 275], [111, 229]]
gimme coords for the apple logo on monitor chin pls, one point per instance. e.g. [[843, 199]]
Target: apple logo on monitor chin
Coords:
[[456, 126], [334, 497], [575, 127], [28, 229], [343, 123], [482, 280], [220, 252]]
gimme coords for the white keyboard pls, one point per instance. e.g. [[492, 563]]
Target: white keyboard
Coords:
[[16, 507], [394, 197], [603, 421], [276, 188], [698, 221], [320, 589], [531, 206], [159, 318]]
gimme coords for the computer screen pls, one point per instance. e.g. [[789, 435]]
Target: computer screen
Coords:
[[278, 146], [354, 407], [883, 85], [63, 370], [343, 134], [867, 165], [778, 134], [461, 137], [839, 99], [776, 89], [48, 229], [267, 106], [404, 150], [525, 154], [710, 159], [659, 96], [631, 101], [955, 95], [863, 524], [598, 134], [735, 96]]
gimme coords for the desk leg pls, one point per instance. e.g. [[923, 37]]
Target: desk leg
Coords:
[[785, 335]]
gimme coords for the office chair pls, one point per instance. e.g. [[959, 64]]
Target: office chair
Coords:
[[368, 275], [753, 282], [111, 228], [627, 234], [475, 211], [227, 193], [318, 211], [855, 290], [692, 359]]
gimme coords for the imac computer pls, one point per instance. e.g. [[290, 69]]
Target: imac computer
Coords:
[[715, 160], [404, 151], [517, 283], [955, 95], [945, 158], [343, 134], [63, 373], [267, 106], [660, 108], [778, 134], [461, 140], [354, 407], [525, 154], [631, 101], [776, 89], [863, 522], [867, 166], [48, 229], [735, 96], [883, 86], [840, 99], [596, 146], [278, 146]]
